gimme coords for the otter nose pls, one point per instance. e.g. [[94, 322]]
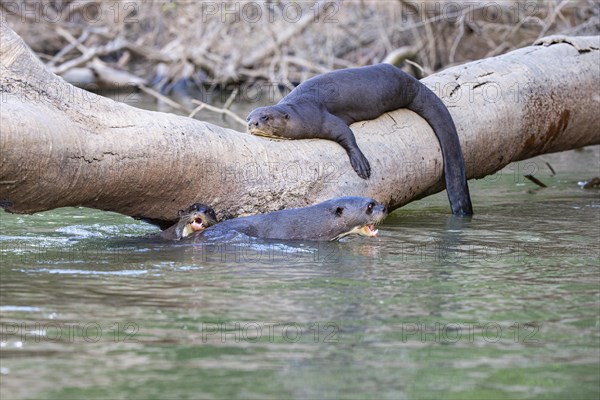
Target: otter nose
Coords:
[[252, 123]]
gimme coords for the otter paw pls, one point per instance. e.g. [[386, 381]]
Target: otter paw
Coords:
[[361, 165]]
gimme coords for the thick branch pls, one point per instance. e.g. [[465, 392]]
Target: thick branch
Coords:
[[62, 146]]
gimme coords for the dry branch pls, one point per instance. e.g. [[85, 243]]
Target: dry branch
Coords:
[[292, 30], [218, 110], [62, 146], [223, 40]]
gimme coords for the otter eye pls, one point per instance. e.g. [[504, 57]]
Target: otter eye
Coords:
[[264, 118], [370, 208], [339, 211]]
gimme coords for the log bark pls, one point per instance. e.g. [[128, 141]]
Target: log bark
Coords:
[[62, 146]]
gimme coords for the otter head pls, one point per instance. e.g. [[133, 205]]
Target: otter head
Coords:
[[195, 218], [357, 215], [268, 121]]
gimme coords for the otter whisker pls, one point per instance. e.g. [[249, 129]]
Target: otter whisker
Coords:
[[267, 135]]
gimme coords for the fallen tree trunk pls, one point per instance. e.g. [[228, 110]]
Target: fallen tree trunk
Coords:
[[62, 146]]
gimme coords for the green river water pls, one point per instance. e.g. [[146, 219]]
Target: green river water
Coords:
[[504, 305]]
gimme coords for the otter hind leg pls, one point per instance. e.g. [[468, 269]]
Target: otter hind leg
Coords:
[[338, 130]]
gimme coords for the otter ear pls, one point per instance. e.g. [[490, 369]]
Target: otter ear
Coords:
[[179, 213], [339, 211]]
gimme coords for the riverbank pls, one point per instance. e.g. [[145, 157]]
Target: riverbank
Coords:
[[175, 46]]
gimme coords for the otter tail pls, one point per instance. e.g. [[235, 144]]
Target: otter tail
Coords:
[[432, 109]]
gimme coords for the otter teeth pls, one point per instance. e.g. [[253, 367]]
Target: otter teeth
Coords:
[[372, 229], [196, 226]]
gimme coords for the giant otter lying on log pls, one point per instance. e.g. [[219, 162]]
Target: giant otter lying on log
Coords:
[[329, 220], [324, 106]]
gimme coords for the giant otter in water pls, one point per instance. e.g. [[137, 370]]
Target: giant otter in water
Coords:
[[329, 220], [324, 106], [195, 218]]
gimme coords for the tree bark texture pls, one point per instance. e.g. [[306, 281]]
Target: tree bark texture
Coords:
[[62, 146]]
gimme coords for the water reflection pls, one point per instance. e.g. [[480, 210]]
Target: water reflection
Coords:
[[504, 304]]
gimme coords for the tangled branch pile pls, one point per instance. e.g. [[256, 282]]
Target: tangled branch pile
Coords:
[[217, 43]]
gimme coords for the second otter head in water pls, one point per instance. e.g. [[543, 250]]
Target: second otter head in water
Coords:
[[195, 218]]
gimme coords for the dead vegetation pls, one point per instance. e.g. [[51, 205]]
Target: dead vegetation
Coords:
[[217, 43]]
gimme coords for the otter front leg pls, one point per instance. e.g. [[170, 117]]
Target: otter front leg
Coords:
[[338, 130]]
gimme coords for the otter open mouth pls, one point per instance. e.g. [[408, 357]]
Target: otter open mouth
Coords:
[[192, 226], [196, 225], [365, 230], [368, 230]]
